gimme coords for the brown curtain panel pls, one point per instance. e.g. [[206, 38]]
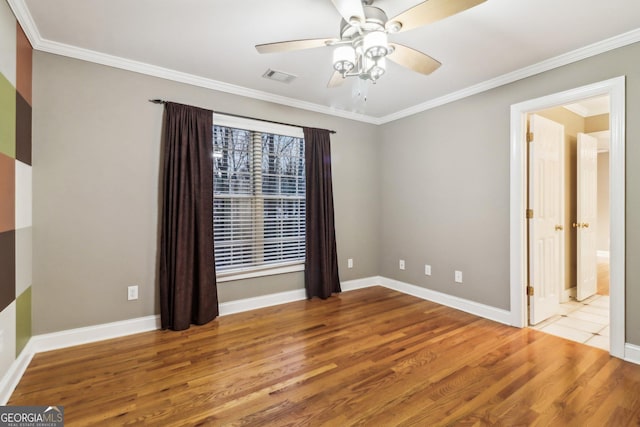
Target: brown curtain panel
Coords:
[[187, 275], [321, 269]]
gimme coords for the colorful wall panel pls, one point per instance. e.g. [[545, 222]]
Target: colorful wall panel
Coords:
[[15, 188]]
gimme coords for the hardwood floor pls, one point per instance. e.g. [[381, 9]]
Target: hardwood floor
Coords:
[[369, 357]]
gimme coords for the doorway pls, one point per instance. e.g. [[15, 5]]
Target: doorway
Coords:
[[569, 226], [615, 89]]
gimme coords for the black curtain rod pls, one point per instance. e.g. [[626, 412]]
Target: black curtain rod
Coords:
[[162, 101]]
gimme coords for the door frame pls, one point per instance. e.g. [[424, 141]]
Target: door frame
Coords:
[[615, 88]]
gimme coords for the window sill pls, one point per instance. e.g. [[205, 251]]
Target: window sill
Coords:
[[251, 274]]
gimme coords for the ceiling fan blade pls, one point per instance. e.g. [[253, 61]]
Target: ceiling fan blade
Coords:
[[431, 11], [413, 59], [350, 9], [336, 79], [294, 45]]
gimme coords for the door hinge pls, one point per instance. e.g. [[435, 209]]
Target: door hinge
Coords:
[[530, 291], [529, 136], [529, 213]]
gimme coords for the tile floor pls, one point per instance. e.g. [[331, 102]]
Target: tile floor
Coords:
[[586, 322]]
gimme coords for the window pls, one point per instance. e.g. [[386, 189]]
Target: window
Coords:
[[259, 197]]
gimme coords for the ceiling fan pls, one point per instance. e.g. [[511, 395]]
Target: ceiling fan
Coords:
[[362, 47]]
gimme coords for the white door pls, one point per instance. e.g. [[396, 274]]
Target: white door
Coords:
[[546, 221], [587, 208]]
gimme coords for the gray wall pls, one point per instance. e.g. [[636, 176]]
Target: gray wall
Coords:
[[445, 186], [96, 156], [445, 192], [431, 188]]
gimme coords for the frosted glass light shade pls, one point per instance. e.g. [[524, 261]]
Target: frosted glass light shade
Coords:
[[344, 59], [378, 69], [375, 44]]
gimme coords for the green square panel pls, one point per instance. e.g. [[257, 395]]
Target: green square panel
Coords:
[[7, 118], [23, 320]]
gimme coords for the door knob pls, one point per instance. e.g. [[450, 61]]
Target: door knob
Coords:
[[559, 227], [579, 225]]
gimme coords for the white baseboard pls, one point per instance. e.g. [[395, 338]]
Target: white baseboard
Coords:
[[11, 379], [632, 353], [238, 306], [367, 282], [89, 334], [481, 310]]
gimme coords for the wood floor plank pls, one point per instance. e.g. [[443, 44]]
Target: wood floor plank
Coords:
[[371, 357]]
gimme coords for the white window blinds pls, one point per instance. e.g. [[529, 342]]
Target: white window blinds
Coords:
[[259, 195]]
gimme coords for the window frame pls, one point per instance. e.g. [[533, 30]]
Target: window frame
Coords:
[[271, 128]]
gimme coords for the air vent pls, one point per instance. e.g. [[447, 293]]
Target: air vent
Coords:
[[278, 76]]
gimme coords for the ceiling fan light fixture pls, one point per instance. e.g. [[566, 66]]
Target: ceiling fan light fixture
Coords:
[[375, 44], [344, 59], [378, 69], [362, 46], [372, 69]]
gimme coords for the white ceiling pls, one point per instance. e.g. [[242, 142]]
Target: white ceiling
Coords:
[[211, 43], [593, 107], [590, 107]]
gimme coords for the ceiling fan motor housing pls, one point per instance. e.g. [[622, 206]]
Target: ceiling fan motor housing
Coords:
[[375, 18]]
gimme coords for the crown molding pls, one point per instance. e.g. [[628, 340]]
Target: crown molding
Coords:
[[191, 79], [23, 15], [549, 64]]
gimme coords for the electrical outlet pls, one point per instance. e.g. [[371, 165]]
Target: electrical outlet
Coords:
[[458, 276], [401, 265], [132, 293], [427, 270], [350, 263]]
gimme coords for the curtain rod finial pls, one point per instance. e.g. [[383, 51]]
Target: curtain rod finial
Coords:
[[158, 101]]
